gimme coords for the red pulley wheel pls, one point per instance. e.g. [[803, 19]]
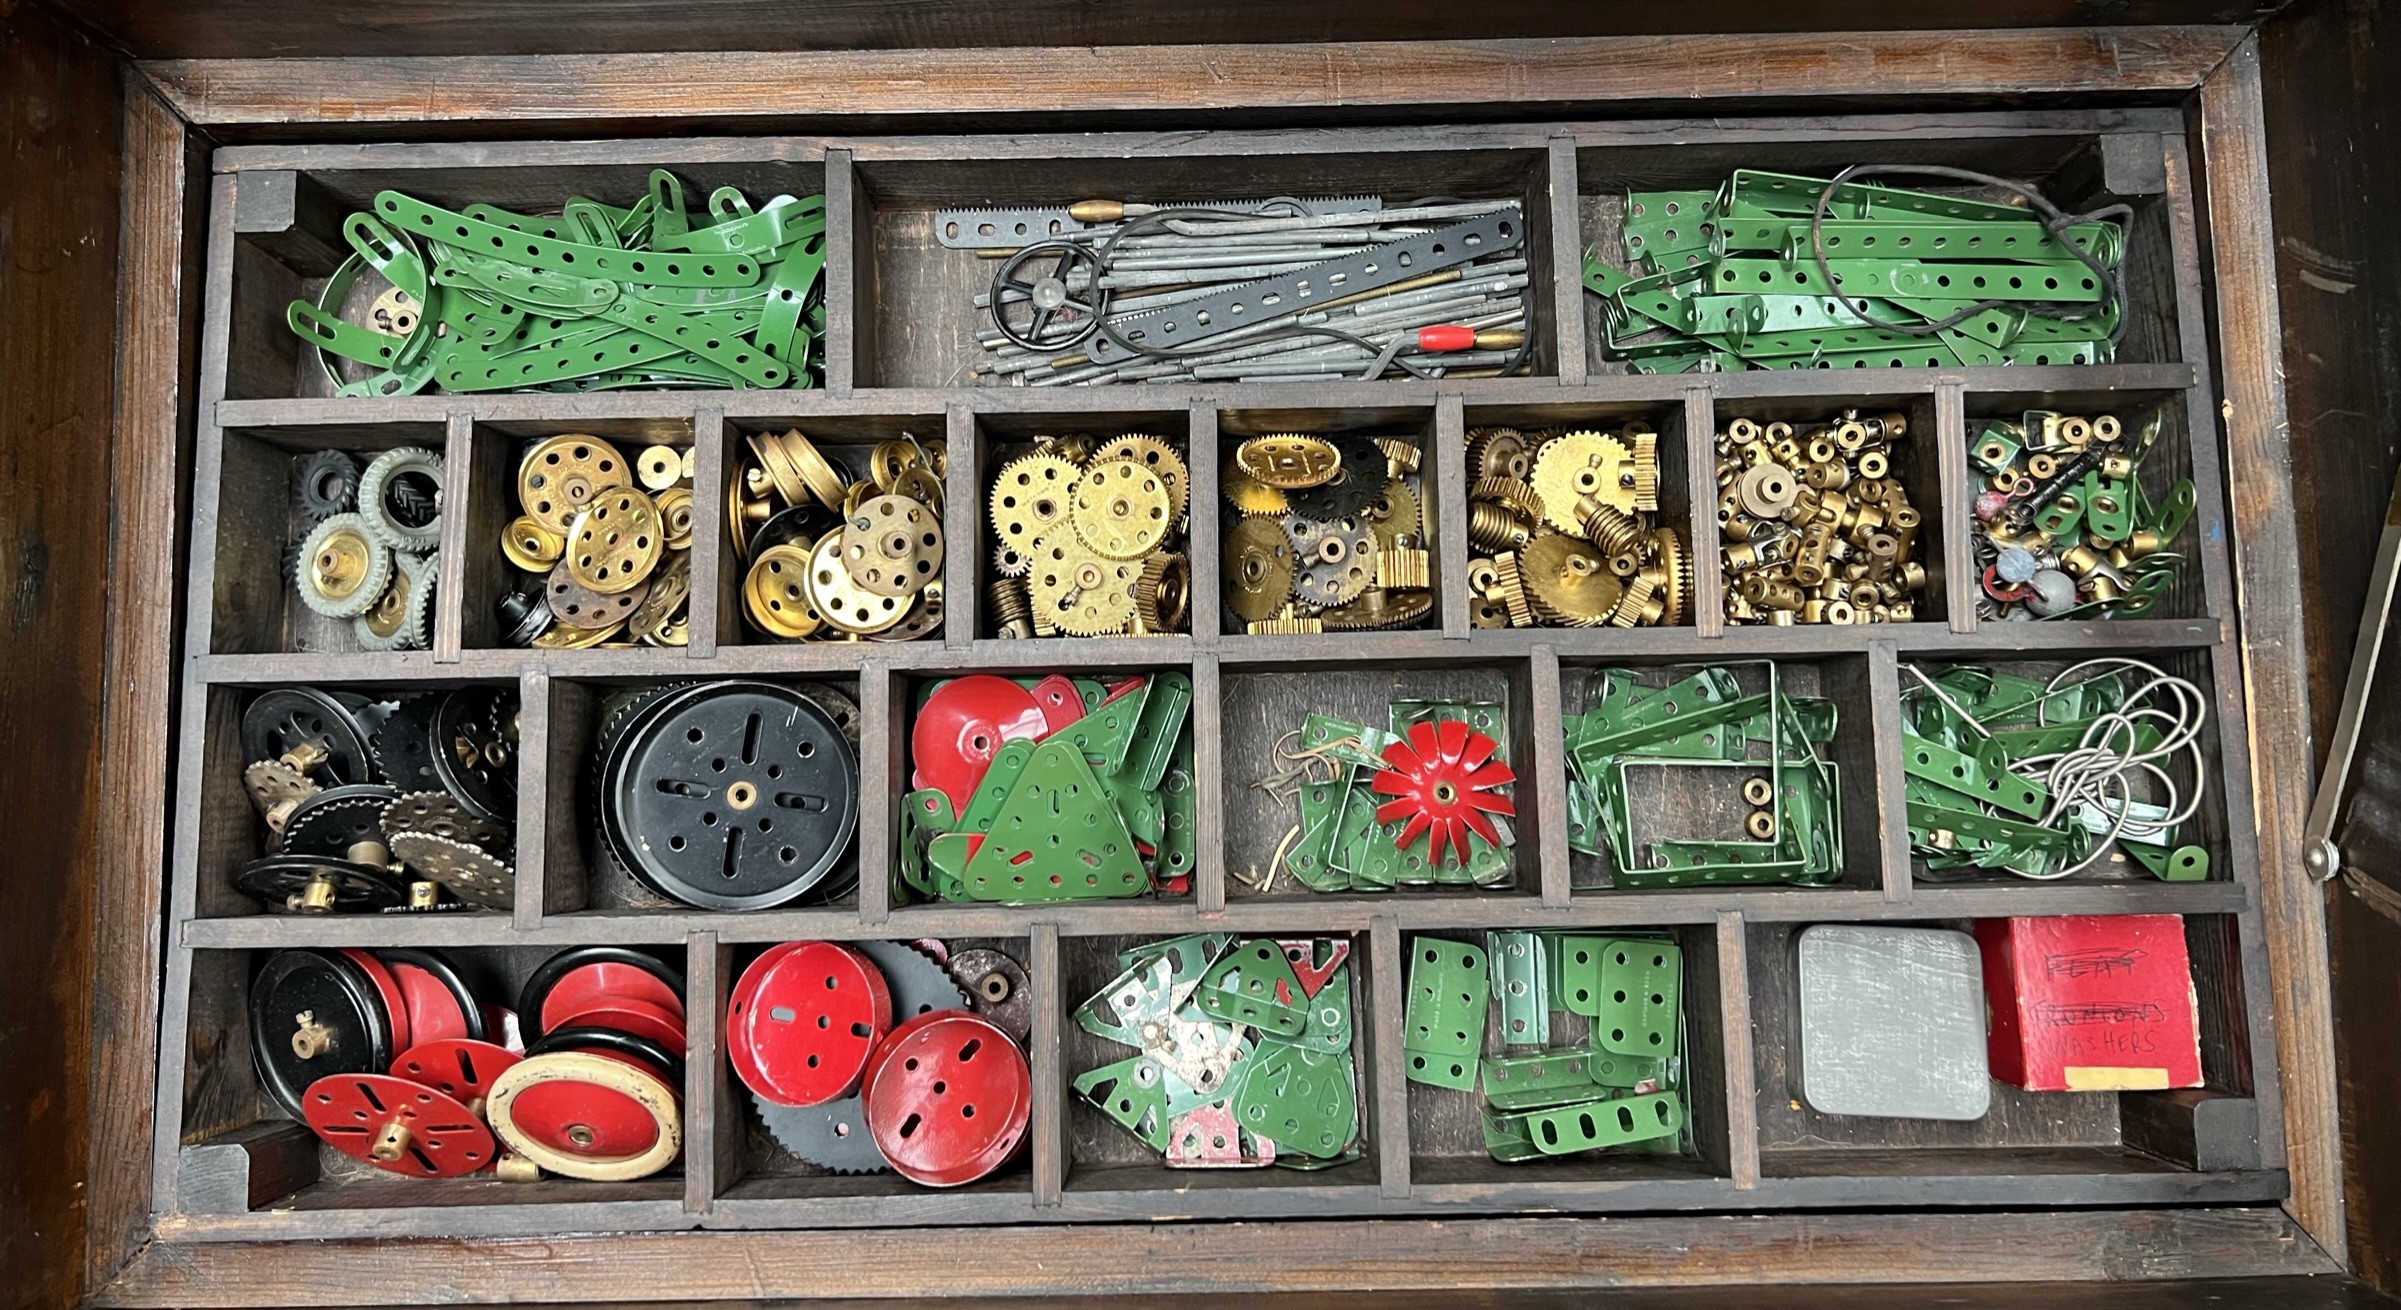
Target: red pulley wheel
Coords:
[[587, 988], [454, 1066], [586, 1115], [434, 1013], [387, 986], [398, 1126], [626, 1015], [947, 1098], [961, 727], [803, 1020]]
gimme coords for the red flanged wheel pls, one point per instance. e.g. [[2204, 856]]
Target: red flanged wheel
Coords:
[[961, 727], [387, 986], [582, 990], [803, 1020], [641, 1018], [438, 1006], [587, 1115], [1443, 775], [947, 1098], [456, 1067], [398, 1126]]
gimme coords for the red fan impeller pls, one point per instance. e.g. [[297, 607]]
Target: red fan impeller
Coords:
[[1442, 778]]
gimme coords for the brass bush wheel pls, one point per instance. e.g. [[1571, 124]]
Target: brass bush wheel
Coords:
[[845, 604], [643, 1087], [660, 467], [531, 545], [1258, 569], [343, 570], [776, 596], [559, 477], [616, 542], [892, 546]]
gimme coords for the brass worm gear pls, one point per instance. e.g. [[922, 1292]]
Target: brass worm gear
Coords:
[[376, 489], [1030, 496], [1510, 494], [342, 569], [1078, 592]]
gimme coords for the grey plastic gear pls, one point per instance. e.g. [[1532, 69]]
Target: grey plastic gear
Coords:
[[375, 489], [370, 589], [325, 485], [918, 985], [832, 1136], [416, 622]]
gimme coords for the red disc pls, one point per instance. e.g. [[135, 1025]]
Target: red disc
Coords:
[[585, 1120], [962, 725], [424, 1133], [433, 1009], [947, 1098], [626, 1015], [395, 1000], [1061, 700], [456, 1067], [803, 1020], [583, 989]]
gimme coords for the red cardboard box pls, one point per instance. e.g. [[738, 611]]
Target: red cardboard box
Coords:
[[2091, 1003]]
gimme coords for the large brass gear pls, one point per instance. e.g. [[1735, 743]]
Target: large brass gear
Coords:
[[1250, 497], [1078, 592], [1334, 562], [1258, 569], [1121, 509], [1378, 610], [1396, 515], [1581, 464], [1568, 582], [1289, 461], [1159, 458], [1030, 496], [1670, 571], [557, 478]]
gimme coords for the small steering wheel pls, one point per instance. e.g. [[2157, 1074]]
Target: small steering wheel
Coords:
[[1034, 308]]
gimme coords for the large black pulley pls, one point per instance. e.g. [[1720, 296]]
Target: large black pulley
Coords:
[[313, 1013], [730, 795], [474, 751], [534, 997], [288, 719], [321, 884]]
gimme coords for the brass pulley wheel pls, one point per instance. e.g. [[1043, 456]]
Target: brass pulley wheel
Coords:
[[1258, 569], [531, 545], [560, 636], [560, 476], [892, 546], [660, 467], [1288, 461], [1122, 509], [845, 604], [616, 541], [776, 594], [675, 517], [924, 618], [1081, 593], [670, 586], [796, 469]]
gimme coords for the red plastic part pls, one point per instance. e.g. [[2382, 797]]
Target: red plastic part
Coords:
[[395, 1001], [1061, 701], [947, 1098], [962, 726], [641, 1018], [433, 1009], [584, 1119], [2090, 1003], [353, 1111], [1299, 952], [456, 1067], [585, 989], [1443, 775], [803, 1020], [1446, 336]]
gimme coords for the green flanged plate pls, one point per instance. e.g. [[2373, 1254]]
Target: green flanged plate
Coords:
[[1567, 1129], [1533, 1082], [1056, 838], [1301, 1099], [1330, 1013], [1642, 986], [1132, 1092], [1254, 984], [1523, 984], [1449, 994]]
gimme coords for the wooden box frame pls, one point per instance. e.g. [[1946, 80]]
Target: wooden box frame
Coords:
[[1387, 1227]]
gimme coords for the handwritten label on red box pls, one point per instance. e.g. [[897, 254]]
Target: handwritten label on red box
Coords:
[[2091, 1003]]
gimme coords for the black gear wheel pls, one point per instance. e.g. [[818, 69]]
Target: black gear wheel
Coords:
[[325, 484]]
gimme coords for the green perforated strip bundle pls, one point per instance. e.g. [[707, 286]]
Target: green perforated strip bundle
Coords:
[[1704, 730], [594, 298], [1244, 1051], [1732, 279]]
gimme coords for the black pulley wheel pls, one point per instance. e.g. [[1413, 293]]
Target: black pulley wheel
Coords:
[[358, 888], [1355, 486], [313, 1014], [592, 1037], [1034, 307], [472, 755], [536, 992], [738, 796], [447, 974], [286, 718], [404, 745], [338, 818]]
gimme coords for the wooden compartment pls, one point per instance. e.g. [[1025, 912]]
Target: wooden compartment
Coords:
[[288, 231], [925, 332], [2070, 159]]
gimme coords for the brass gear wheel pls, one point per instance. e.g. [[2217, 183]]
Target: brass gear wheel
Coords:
[[1510, 494], [1163, 593], [1258, 569], [1378, 610], [1396, 515], [1159, 458], [557, 478], [1122, 509], [1498, 453], [1289, 461], [1568, 582], [1079, 592], [1583, 464], [1012, 561], [1250, 497], [1509, 582], [1030, 496], [1670, 572]]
